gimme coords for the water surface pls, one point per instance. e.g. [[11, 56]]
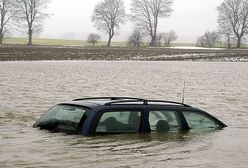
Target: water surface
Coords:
[[27, 89]]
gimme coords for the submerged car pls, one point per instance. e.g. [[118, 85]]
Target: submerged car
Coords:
[[114, 115]]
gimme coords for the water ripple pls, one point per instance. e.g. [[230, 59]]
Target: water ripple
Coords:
[[27, 89]]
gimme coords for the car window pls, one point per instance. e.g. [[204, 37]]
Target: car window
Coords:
[[64, 117], [119, 121], [164, 120], [198, 120]]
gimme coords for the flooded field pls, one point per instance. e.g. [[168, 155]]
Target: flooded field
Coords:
[[29, 53], [27, 89]]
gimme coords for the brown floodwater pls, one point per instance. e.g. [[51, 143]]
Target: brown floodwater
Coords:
[[27, 89]]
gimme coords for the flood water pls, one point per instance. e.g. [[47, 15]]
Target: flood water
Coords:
[[27, 89]]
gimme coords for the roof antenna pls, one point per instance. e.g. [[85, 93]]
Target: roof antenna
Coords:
[[183, 91]]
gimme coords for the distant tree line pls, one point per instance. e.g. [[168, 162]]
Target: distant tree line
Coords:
[[109, 15], [24, 15], [233, 25], [145, 14]]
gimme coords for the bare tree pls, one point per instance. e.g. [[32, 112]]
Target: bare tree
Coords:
[[209, 39], [169, 37], [146, 14], [136, 38], [233, 14], [226, 31], [108, 15], [159, 40], [30, 12], [93, 38], [6, 13], [229, 37]]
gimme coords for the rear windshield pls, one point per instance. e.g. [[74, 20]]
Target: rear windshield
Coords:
[[62, 117]]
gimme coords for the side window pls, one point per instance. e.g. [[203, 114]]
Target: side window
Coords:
[[164, 121], [197, 120], [119, 121]]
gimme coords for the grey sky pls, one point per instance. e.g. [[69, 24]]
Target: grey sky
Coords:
[[72, 19]]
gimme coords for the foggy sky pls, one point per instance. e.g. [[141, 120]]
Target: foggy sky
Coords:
[[72, 19]]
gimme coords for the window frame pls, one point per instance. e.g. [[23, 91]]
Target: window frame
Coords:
[[181, 122], [100, 113]]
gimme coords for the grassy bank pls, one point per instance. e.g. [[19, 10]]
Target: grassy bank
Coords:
[[56, 42], [64, 42], [38, 41], [45, 42]]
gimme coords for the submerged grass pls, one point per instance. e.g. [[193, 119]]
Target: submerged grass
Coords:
[[40, 41], [65, 42], [56, 42]]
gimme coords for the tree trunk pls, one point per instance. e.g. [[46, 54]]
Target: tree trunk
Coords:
[[1, 37], [30, 36], [1, 29], [228, 41], [239, 42], [109, 40], [153, 41], [167, 43]]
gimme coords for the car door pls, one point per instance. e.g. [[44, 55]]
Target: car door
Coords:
[[163, 120], [118, 120]]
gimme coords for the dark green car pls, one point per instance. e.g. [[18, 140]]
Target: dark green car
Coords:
[[115, 115]]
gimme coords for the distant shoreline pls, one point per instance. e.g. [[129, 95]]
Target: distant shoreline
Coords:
[[37, 52]]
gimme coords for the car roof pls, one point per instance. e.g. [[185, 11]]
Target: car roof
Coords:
[[92, 102]]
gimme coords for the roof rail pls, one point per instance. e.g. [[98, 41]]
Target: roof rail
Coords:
[[127, 101], [146, 102], [107, 98], [114, 100], [169, 102]]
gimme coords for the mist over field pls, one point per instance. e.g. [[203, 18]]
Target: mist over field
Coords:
[[72, 20]]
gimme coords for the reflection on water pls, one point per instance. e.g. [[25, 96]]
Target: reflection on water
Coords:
[[27, 89]]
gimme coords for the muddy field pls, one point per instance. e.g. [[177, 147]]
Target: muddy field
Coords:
[[27, 53]]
